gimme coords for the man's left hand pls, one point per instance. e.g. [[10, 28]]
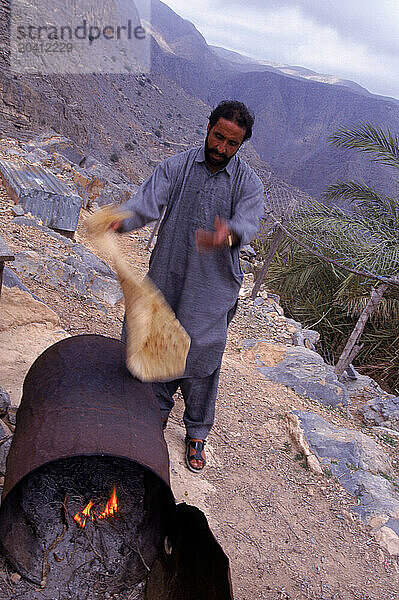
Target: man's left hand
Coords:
[[210, 240]]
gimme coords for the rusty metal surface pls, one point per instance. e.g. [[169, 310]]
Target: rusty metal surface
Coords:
[[42, 194], [197, 568], [80, 399]]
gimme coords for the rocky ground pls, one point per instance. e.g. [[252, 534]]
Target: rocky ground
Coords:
[[284, 519]]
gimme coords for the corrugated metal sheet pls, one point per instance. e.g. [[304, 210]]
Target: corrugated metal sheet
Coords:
[[42, 194]]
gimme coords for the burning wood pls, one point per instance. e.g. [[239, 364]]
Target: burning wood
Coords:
[[111, 508]]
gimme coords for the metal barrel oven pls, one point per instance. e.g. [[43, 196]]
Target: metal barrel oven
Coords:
[[80, 400]]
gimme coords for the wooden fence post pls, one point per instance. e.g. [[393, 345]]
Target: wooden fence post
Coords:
[[277, 237], [351, 350]]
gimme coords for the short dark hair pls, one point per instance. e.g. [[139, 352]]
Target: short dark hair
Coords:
[[235, 111]]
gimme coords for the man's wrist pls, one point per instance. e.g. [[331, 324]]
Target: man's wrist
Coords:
[[232, 240]]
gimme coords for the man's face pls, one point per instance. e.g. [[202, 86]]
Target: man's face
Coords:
[[222, 142]]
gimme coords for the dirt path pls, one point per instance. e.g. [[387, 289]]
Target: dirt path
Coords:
[[289, 534]]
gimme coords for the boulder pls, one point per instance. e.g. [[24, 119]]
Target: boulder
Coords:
[[82, 271], [362, 468], [306, 373], [50, 143], [382, 411], [4, 450], [4, 401]]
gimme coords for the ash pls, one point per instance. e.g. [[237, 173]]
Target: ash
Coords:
[[108, 558]]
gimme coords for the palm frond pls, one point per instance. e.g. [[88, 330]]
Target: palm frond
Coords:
[[353, 191], [370, 139]]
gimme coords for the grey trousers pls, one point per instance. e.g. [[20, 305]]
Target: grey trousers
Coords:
[[199, 395]]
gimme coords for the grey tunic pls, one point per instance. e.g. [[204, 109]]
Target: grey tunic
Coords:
[[201, 288]]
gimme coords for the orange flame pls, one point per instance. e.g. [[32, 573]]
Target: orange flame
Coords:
[[110, 509]]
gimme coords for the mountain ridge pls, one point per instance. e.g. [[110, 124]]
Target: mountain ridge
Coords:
[[290, 117]]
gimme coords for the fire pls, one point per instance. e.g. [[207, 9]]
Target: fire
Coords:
[[110, 509]]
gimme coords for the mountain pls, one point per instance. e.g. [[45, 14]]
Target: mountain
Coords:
[[140, 118], [130, 121], [296, 109], [246, 63]]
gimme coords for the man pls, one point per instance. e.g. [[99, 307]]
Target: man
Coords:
[[213, 204]]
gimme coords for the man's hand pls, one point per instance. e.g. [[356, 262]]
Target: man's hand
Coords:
[[115, 226], [209, 240]]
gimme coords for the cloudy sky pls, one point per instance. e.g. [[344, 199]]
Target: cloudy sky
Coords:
[[353, 39]]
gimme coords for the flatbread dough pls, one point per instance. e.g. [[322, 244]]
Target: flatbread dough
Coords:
[[157, 345]]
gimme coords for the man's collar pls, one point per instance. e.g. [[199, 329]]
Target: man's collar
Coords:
[[228, 168]]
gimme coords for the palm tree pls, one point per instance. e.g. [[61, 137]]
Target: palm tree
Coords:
[[361, 248]]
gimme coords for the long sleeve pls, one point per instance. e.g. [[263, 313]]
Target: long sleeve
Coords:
[[248, 210], [152, 195]]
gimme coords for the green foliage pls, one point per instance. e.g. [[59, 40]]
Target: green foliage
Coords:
[[371, 140], [388, 439], [325, 295]]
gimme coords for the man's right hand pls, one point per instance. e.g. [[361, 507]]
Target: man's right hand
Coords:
[[116, 226]]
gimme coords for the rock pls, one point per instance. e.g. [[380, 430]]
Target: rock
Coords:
[[82, 271], [26, 221], [43, 194], [28, 263], [388, 539], [387, 432], [362, 468], [383, 411], [298, 339], [258, 301], [351, 372], [350, 449], [307, 374], [37, 156], [297, 434], [12, 415], [294, 324], [248, 251], [4, 449], [4, 401], [31, 222], [111, 185], [107, 290], [250, 343], [362, 386], [5, 432], [245, 265], [17, 210], [50, 144], [312, 335]]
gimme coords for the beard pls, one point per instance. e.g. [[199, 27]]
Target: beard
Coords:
[[214, 158]]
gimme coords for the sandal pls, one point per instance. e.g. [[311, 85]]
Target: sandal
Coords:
[[198, 447]]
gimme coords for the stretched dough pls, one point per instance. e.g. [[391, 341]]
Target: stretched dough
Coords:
[[157, 345]]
